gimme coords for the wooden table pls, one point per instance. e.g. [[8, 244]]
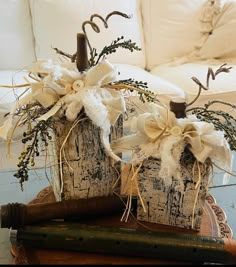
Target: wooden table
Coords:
[[213, 224]]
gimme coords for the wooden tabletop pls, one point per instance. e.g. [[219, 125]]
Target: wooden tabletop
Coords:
[[213, 224]]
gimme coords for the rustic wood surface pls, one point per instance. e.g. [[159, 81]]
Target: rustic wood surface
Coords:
[[178, 203], [86, 169], [213, 224]]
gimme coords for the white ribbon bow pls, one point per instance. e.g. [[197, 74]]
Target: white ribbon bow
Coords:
[[158, 132], [64, 87]]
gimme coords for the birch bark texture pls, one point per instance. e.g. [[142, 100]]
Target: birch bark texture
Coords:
[[179, 204], [82, 169]]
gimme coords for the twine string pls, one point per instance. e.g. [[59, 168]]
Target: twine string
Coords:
[[75, 123], [133, 182]]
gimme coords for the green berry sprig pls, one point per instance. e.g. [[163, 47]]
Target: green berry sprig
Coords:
[[27, 158], [112, 48]]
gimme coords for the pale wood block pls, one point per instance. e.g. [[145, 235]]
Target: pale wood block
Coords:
[[86, 169], [178, 204]]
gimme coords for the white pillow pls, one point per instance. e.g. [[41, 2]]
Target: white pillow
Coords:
[[172, 28], [222, 42], [56, 23], [16, 39]]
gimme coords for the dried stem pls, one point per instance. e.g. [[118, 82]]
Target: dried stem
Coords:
[[62, 53], [117, 13], [132, 85], [97, 29], [101, 18], [196, 98], [210, 74]]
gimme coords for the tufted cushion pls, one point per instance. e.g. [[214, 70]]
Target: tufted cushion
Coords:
[[221, 43], [16, 40], [172, 28], [56, 23]]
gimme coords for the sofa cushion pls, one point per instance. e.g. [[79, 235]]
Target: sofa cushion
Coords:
[[16, 39], [56, 23], [221, 43], [11, 78], [172, 28], [166, 90], [222, 88], [8, 96]]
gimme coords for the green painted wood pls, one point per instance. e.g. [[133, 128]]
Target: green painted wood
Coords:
[[127, 242]]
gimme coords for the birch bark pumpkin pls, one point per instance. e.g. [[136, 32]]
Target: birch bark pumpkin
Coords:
[[85, 170], [179, 204]]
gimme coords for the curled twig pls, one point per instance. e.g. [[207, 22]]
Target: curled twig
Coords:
[[201, 86], [117, 13], [199, 83], [101, 18], [213, 74], [58, 51], [210, 74], [97, 29], [222, 68]]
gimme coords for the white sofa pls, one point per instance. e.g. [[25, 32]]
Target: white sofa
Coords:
[[179, 39]]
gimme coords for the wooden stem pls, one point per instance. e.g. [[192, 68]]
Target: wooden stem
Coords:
[[178, 106], [82, 55]]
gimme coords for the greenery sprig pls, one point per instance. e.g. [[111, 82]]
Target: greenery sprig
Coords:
[[33, 138], [112, 48], [132, 85], [222, 120]]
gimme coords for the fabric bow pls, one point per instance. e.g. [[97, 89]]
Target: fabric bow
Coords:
[[63, 87], [159, 134]]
